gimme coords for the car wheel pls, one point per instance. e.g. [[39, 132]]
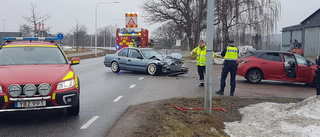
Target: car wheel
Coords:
[[115, 67], [153, 69], [74, 111], [254, 76]]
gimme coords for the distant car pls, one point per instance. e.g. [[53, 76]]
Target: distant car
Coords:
[[276, 65], [36, 75], [145, 60]]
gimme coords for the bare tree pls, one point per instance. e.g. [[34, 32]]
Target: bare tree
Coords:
[[80, 34], [34, 18], [166, 35], [235, 16], [242, 17], [182, 13]]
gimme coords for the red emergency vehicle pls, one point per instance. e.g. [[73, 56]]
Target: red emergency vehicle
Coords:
[[126, 35]]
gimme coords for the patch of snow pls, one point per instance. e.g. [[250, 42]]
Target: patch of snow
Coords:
[[278, 120]]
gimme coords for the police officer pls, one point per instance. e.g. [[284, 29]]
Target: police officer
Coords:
[[230, 55], [318, 76], [200, 52]]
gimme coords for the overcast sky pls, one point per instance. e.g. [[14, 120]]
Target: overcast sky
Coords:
[[65, 13]]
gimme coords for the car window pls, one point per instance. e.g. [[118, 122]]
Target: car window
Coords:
[[134, 53], [123, 53], [150, 53], [271, 57], [288, 58], [300, 60], [31, 56]]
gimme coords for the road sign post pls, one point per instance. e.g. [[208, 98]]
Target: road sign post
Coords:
[[208, 80], [60, 37]]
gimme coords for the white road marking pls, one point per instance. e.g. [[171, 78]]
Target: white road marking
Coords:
[[117, 99], [132, 86], [141, 78], [86, 125]]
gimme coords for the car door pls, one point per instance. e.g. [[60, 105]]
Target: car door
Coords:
[[135, 61], [271, 65], [303, 70], [290, 65], [122, 58]]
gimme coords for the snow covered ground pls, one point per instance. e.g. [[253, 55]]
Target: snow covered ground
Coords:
[[278, 120]]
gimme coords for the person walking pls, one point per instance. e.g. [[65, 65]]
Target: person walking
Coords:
[[318, 76], [200, 52], [230, 55]]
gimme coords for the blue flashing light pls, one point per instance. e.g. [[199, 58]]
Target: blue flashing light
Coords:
[[6, 38], [51, 38], [30, 38], [118, 46], [133, 33]]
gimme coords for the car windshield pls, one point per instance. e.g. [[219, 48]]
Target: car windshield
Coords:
[[31, 56], [150, 53]]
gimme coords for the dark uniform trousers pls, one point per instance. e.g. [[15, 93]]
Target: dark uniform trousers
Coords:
[[318, 81], [229, 66], [201, 71]]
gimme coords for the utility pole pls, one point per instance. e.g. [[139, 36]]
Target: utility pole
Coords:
[[209, 52]]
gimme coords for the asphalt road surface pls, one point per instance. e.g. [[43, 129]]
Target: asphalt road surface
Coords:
[[105, 96]]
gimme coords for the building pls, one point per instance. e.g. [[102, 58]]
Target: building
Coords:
[[306, 34]]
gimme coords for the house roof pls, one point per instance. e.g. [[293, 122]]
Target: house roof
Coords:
[[310, 16], [300, 26]]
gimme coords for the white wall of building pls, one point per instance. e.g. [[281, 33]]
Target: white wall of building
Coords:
[[312, 41]]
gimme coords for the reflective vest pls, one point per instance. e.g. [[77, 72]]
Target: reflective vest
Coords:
[[201, 55], [131, 44], [231, 54]]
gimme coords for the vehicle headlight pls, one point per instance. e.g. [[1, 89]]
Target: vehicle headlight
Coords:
[[14, 90], [1, 91], [44, 89], [29, 90], [66, 84]]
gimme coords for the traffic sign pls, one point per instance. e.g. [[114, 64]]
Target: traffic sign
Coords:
[[60, 36]]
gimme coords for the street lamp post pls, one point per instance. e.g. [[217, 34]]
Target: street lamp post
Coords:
[[96, 38]]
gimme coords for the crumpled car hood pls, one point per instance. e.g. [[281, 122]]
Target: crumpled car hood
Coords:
[[170, 59]]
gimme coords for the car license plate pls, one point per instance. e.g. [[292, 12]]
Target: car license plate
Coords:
[[26, 104]]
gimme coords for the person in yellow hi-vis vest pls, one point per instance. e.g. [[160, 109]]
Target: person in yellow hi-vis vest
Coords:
[[131, 43], [200, 52], [230, 55]]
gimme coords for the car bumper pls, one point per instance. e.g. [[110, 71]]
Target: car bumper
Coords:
[[56, 101], [183, 70], [107, 64]]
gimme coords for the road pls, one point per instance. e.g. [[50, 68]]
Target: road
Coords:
[[105, 96]]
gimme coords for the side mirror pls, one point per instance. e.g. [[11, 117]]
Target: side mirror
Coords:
[[75, 61], [139, 57]]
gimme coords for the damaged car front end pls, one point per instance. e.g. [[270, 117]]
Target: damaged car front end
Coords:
[[171, 64]]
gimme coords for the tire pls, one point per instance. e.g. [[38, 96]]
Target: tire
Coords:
[[115, 67], [153, 69], [254, 76]]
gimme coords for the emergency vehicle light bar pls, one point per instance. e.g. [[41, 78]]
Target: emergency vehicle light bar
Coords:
[[130, 34], [29, 38]]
